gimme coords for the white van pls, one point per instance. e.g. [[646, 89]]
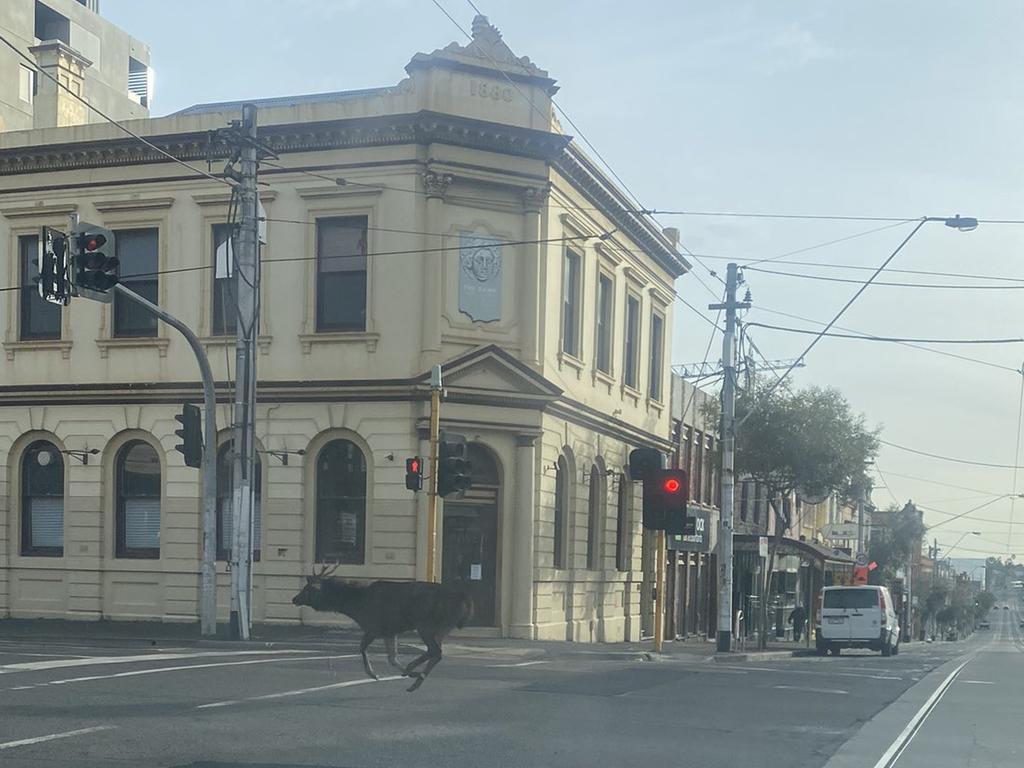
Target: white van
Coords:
[[857, 617]]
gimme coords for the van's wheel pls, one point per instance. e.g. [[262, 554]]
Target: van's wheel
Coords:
[[896, 648], [887, 648], [836, 650]]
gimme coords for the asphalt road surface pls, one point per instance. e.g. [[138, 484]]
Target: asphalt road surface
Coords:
[[102, 703]]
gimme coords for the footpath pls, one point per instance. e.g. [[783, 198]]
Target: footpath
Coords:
[[164, 634]]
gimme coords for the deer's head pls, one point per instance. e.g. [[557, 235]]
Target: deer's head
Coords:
[[312, 593]]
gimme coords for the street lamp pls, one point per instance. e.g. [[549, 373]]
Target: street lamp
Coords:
[[962, 536]]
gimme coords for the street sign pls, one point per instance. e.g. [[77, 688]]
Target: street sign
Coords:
[[762, 546], [862, 560], [839, 531]]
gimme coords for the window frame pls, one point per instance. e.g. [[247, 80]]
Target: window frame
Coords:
[[624, 504], [595, 516], [121, 550], [560, 513], [33, 87], [215, 298], [26, 548], [363, 525], [604, 324], [572, 312], [697, 476], [631, 343], [120, 302], [29, 298], [656, 359], [319, 325]]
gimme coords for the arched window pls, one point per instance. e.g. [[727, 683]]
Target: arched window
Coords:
[[42, 500], [595, 519], [137, 472], [744, 499], [341, 503], [622, 538], [561, 503], [225, 495]]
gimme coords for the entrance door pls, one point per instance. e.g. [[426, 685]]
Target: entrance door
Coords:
[[469, 555]]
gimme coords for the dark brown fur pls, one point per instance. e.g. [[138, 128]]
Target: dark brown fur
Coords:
[[387, 609]]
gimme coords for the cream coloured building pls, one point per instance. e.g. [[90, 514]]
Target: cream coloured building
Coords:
[[468, 230]]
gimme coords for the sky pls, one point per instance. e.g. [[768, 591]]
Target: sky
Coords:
[[808, 107]]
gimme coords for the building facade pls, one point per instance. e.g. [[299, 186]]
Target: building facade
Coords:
[[445, 220], [90, 57]]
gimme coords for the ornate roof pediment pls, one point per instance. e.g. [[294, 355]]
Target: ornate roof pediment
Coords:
[[491, 371]]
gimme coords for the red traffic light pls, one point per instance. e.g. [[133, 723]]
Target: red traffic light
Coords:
[[672, 485], [414, 465], [95, 242]]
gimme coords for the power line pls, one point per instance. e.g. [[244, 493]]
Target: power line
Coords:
[[1016, 457], [38, 70], [948, 485], [944, 353], [891, 339], [821, 334], [822, 245], [809, 216], [948, 458], [968, 512], [891, 284]]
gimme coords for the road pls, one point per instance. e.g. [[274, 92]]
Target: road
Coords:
[[103, 703]]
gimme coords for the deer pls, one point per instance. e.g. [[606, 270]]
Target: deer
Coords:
[[386, 609]]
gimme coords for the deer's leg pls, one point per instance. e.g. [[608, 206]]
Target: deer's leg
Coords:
[[433, 655], [391, 644], [367, 639]]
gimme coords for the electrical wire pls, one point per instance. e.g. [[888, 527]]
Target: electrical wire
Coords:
[[944, 353], [890, 284], [1016, 457], [948, 485], [39, 71], [827, 243], [965, 514], [890, 339], [808, 217], [948, 458]]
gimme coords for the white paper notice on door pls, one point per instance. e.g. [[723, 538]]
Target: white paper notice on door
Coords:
[[475, 572]]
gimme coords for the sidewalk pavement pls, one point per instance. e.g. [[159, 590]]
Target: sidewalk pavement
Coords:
[[162, 634]]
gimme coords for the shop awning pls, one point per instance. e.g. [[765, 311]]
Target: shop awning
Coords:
[[822, 555]]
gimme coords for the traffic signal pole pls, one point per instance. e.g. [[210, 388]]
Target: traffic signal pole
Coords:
[[208, 572], [659, 591], [247, 276], [435, 431], [728, 440]]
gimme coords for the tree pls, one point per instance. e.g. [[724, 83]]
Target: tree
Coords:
[[892, 546], [805, 441]]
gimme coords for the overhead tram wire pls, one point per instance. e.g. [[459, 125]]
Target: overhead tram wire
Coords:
[[951, 459], [891, 284], [949, 485], [38, 70], [944, 353], [827, 243], [890, 339], [838, 315], [957, 516], [809, 216], [1016, 456]]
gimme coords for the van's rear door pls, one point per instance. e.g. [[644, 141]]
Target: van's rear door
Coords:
[[835, 618], [865, 613]]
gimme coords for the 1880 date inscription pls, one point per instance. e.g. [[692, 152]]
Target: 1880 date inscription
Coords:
[[491, 91]]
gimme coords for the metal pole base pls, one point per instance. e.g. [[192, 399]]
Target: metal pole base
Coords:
[[234, 626], [724, 642]]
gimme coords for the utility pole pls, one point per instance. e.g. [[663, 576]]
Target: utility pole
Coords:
[[728, 440], [435, 430], [860, 520], [659, 590], [247, 275]]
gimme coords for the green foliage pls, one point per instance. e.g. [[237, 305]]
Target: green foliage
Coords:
[[892, 545], [985, 602]]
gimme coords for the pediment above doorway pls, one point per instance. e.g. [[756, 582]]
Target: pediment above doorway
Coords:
[[491, 374]]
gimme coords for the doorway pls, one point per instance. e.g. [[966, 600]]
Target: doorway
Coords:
[[469, 541]]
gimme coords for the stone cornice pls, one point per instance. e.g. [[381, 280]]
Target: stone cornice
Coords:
[[417, 128], [585, 176]]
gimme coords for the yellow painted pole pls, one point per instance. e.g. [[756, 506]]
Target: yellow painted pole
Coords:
[[659, 592], [435, 428]]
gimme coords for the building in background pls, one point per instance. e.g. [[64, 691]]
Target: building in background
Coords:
[[90, 57], [691, 580], [467, 230]]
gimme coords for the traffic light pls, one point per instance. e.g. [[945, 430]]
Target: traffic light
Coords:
[[414, 473], [452, 464], [644, 461], [53, 281], [665, 495], [191, 434], [95, 268]]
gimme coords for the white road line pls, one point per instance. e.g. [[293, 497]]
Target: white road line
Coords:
[[157, 670], [977, 682], [55, 736], [812, 690], [892, 754], [299, 692], [38, 666], [519, 664]]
